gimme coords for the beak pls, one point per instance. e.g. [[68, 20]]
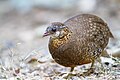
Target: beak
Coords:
[[46, 34]]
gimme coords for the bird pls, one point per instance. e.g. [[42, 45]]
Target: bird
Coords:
[[79, 40]]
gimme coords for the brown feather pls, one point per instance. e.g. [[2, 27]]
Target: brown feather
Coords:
[[86, 37]]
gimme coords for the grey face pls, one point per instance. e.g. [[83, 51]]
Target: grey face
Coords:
[[52, 29], [55, 27]]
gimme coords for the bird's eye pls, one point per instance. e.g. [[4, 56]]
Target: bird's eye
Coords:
[[54, 29]]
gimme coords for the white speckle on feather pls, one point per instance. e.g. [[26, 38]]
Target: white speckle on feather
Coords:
[[57, 33]]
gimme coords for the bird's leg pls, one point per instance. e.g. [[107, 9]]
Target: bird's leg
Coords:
[[72, 68], [90, 70], [70, 73], [102, 67]]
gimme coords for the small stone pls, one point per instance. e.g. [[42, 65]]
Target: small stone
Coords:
[[107, 63], [114, 65]]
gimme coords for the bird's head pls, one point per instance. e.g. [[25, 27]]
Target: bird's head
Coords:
[[56, 29]]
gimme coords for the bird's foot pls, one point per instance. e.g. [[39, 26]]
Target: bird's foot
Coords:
[[69, 75], [102, 70], [90, 71]]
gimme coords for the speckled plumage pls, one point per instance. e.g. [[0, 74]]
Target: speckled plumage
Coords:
[[85, 37]]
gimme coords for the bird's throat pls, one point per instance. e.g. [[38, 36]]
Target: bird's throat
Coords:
[[63, 38]]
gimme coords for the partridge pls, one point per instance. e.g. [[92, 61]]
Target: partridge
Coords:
[[79, 40]]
